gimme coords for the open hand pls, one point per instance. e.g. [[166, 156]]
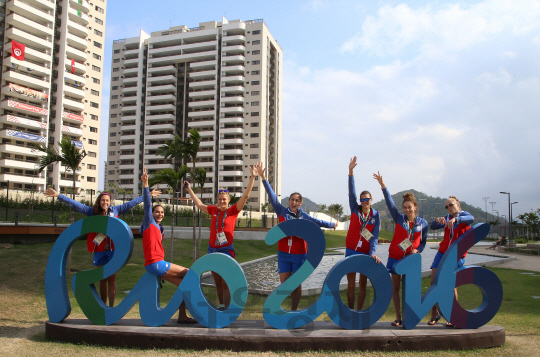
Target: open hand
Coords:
[[379, 179], [51, 193], [155, 192], [352, 165], [144, 178]]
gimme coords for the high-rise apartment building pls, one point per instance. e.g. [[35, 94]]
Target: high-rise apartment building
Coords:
[[52, 61], [221, 78]]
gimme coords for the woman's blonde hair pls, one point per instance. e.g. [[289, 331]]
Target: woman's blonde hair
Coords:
[[454, 197]]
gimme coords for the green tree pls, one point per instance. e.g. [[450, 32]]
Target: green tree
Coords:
[[173, 179], [198, 177], [531, 221], [184, 149], [322, 207], [335, 210]]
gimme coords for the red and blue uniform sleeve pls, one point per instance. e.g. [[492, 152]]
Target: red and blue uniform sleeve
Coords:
[[436, 225], [318, 222], [118, 210], [396, 216], [79, 207], [464, 218], [424, 236], [353, 202], [273, 199], [374, 241], [148, 218]]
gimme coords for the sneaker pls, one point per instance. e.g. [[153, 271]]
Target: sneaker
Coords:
[[221, 307]]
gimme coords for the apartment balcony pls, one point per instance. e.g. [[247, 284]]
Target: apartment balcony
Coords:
[[23, 107], [22, 136], [230, 173], [42, 5], [24, 122], [231, 184], [77, 42], [233, 100], [130, 99], [201, 113], [80, 5], [29, 39], [20, 149], [129, 137], [80, 68], [164, 136], [128, 127], [34, 11], [237, 89], [130, 72], [78, 17], [161, 98], [149, 127], [31, 54], [75, 79], [208, 143], [77, 29], [69, 183], [201, 123], [237, 141], [230, 163], [129, 90], [158, 89], [73, 91], [233, 69], [129, 54], [131, 80], [19, 164], [234, 79], [209, 75], [205, 153], [234, 39], [204, 65], [148, 147], [159, 166], [131, 63], [204, 164], [160, 71], [26, 79], [19, 178], [129, 108], [232, 120], [232, 110], [231, 130], [233, 59], [160, 108], [199, 94], [130, 117], [128, 147], [165, 116], [233, 50], [72, 117], [198, 56], [126, 166], [231, 152], [24, 23], [71, 130], [199, 46], [200, 104], [73, 104], [75, 53], [202, 85], [161, 80]]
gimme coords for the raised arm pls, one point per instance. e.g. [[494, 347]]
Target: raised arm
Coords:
[[242, 201], [387, 198], [353, 202], [319, 222], [79, 207], [148, 218], [272, 197], [196, 199]]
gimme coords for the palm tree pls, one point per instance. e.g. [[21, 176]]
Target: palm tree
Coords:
[[184, 149], [173, 179], [69, 156], [198, 177]]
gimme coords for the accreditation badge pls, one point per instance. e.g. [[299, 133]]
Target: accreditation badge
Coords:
[[99, 238], [221, 238], [366, 234], [405, 244]]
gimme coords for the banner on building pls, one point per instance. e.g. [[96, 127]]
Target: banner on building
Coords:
[[25, 121], [77, 144], [20, 134], [27, 107], [72, 116], [17, 50], [72, 65], [28, 92]]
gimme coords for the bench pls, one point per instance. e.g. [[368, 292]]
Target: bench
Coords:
[[508, 246], [531, 248]]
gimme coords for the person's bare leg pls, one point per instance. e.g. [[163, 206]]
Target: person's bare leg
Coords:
[[103, 290], [396, 285], [295, 298], [174, 275], [111, 280], [434, 308], [219, 286], [362, 283], [351, 282], [226, 294], [282, 278]]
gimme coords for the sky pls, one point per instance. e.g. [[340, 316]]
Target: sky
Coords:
[[437, 96]]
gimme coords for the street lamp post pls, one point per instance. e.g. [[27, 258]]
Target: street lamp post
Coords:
[[509, 216], [492, 204], [437, 209], [422, 200], [511, 209], [485, 201]]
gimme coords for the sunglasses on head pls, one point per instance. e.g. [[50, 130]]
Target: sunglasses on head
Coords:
[[450, 205], [220, 191], [365, 199]]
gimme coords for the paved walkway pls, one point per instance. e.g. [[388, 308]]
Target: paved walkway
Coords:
[[522, 261]]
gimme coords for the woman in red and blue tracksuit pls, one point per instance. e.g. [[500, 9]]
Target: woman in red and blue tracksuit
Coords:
[[154, 255], [455, 223], [410, 237], [292, 251], [362, 237], [99, 244], [222, 226]]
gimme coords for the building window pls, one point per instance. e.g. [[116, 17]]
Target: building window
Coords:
[[255, 92], [115, 78], [253, 125], [94, 117], [94, 92], [96, 68], [92, 142], [112, 144], [255, 72], [112, 125], [112, 162], [255, 83], [100, 34], [99, 45], [96, 80], [114, 96], [256, 52], [96, 56], [254, 114], [111, 172], [90, 179], [256, 32], [112, 134], [99, 21], [116, 51], [255, 103], [91, 167], [254, 199], [116, 69], [114, 106], [116, 60], [94, 105], [254, 156], [100, 10], [93, 130], [254, 135], [92, 154], [253, 146], [257, 42], [114, 116], [112, 153], [114, 87], [256, 62]]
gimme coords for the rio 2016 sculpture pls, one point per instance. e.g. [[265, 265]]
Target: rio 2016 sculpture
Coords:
[[146, 290]]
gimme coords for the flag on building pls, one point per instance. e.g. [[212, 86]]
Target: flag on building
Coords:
[[72, 65], [17, 50]]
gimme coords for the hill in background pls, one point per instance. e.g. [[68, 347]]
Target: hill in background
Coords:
[[307, 204]]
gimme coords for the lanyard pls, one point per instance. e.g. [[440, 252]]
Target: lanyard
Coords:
[[222, 221], [409, 229]]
